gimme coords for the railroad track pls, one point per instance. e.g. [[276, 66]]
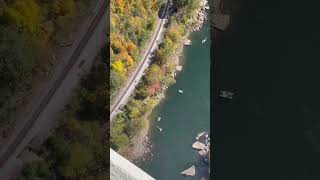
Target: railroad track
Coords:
[[44, 102], [115, 106]]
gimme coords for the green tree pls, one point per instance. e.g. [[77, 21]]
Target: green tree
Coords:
[[36, 171], [119, 141], [133, 126], [116, 80], [76, 165], [21, 58], [151, 103], [153, 74], [141, 92], [59, 149], [118, 137], [24, 14], [169, 80], [67, 6]]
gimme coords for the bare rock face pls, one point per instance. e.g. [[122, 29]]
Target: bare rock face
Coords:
[[179, 68], [203, 152], [187, 42], [199, 135], [198, 145], [190, 171]]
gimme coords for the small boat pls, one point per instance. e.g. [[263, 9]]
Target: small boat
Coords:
[[204, 40], [65, 44], [159, 119], [180, 91], [226, 94]]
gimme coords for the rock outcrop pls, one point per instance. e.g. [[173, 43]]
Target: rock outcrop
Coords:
[[203, 152], [198, 145], [179, 68], [190, 171], [186, 42], [203, 145], [200, 16]]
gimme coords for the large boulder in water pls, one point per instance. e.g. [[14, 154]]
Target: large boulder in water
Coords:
[[198, 145], [186, 42], [203, 152], [190, 171]]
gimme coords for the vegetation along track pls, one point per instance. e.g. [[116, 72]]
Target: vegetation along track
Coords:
[[73, 59], [145, 58]]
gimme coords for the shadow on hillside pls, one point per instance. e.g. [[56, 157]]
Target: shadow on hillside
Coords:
[[161, 11]]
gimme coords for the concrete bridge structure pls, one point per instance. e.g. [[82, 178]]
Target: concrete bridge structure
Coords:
[[122, 169]]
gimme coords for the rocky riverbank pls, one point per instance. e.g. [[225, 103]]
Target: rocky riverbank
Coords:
[[202, 145], [200, 16]]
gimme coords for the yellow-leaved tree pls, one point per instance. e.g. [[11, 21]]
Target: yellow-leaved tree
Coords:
[[118, 66]]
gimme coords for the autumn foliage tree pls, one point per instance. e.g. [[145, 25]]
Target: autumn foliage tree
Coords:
[[28, 29], [131, 23], [129, 30]]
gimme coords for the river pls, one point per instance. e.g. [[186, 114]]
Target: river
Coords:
[[271, 130], [183, 115]]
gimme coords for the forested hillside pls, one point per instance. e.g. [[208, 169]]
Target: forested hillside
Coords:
[[157, 78], [132, 22], [79, 147], [28, 30]]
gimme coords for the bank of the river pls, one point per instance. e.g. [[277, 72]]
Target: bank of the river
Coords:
[[183, 116], [140, 144]]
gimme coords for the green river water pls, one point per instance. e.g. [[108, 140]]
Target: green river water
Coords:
[[183, 115]]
